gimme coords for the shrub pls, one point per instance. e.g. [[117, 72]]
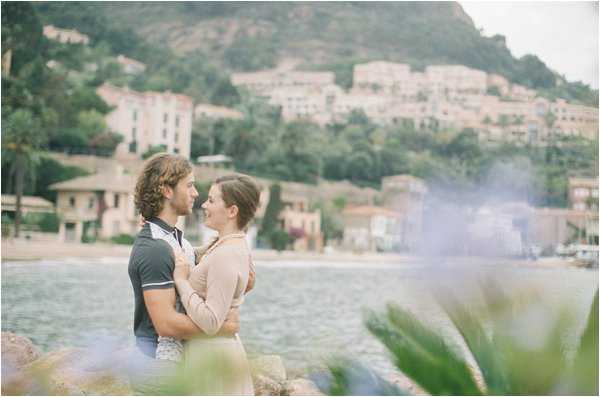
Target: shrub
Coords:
[[123, 238]]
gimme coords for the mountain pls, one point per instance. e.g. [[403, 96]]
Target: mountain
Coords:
[[244, 36]]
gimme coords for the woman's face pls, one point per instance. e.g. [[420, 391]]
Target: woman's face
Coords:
[[216, 213]]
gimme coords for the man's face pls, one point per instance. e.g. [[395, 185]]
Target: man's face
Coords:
[[184, 195]]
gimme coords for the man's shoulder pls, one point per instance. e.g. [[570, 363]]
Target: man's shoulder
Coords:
[[146, 247]]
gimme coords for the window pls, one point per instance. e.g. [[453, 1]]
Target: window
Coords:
[[164, 133], [91, 203], [72, 201], [134, 115], [166, 117], [176, 150], [176, 136], [116, 200], [133, 133], [177, 121]]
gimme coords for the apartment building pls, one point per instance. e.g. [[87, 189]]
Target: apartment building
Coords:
[[381, 77], [574, 120], [208, 111], [373, 229], [303, 224], [443, 96], [583, 194], [65, 36], [444, 79], [500, 82], [263, 82], [131, 66], [147, 119]]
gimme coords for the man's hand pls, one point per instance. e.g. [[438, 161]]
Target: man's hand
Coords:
[[231, 326], [182, 268], [251, 279]]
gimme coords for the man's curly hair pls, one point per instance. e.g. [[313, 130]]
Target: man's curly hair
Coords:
[[160, 170]]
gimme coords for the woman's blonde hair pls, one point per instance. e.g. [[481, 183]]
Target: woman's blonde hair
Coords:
[[160, 170]]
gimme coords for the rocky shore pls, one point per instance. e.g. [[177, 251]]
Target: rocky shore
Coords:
[[70, 371]]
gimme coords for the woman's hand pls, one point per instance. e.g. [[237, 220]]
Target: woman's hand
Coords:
[[182, 268]]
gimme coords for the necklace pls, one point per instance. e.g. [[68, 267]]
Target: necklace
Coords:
[[221, 239]]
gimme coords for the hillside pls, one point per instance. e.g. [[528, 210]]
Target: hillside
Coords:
[[239, 36]]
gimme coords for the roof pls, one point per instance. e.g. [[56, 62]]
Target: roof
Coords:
[[217, 158], [31, 202], [583, 182], [370, 210], [112, 182]]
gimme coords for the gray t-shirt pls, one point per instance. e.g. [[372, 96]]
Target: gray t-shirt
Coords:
[[151, 266]]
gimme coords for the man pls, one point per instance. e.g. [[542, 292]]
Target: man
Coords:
[[164, 191]]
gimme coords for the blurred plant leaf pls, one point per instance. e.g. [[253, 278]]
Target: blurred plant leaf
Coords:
[[487, 356], [422, 354], [585, 366]]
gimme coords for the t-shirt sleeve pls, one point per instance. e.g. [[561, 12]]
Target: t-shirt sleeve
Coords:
[[156, 266]]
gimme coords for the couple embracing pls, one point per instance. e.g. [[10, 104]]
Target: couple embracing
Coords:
[[187, 300]]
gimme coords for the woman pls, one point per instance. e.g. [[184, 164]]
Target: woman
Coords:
[[209, 290]]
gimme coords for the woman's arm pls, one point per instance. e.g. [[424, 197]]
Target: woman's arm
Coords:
[[222, 279]]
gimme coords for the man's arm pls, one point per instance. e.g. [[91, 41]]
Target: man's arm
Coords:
[[168, 322]]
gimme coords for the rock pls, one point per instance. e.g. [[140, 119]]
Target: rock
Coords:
[[18, 351], [265, 386], [302, 387], [60, 373], [270, 366]]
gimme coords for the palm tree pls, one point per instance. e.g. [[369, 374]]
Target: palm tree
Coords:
[[22, 138], [508, 366]]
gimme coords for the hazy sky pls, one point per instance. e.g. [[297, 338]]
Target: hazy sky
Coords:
[[564, 35]]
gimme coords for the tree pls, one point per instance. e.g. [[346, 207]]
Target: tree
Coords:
[[153, 150], [22, 138], [274, 207]]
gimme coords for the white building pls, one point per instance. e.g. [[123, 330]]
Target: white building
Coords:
[[147, 119]]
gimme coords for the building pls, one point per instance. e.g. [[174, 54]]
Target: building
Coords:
[[450, 79], [583, 194], [147, 119], [302, 224], [215, 161], [551, 227], [373, 229], [99, 205], [442, 97], [65, 36], [131, 66], [29, 204], [263, 82], [405, 194], [208, 111]]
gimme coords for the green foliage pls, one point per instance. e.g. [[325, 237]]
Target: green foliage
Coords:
[[251, 53], [123, 238], [509, 364], [584, 373], [274, 207], [279, 239], [152, 150]]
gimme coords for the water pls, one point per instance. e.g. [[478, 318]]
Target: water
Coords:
[[303, 311]]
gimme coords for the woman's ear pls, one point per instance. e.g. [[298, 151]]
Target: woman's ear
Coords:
[[232, 212]]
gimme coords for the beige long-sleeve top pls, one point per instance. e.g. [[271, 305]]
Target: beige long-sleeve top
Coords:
[[216, 284]]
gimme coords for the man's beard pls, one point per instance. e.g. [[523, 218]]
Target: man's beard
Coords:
[[181, 207]]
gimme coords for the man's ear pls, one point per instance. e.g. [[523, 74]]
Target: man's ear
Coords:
[[167, 192]]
